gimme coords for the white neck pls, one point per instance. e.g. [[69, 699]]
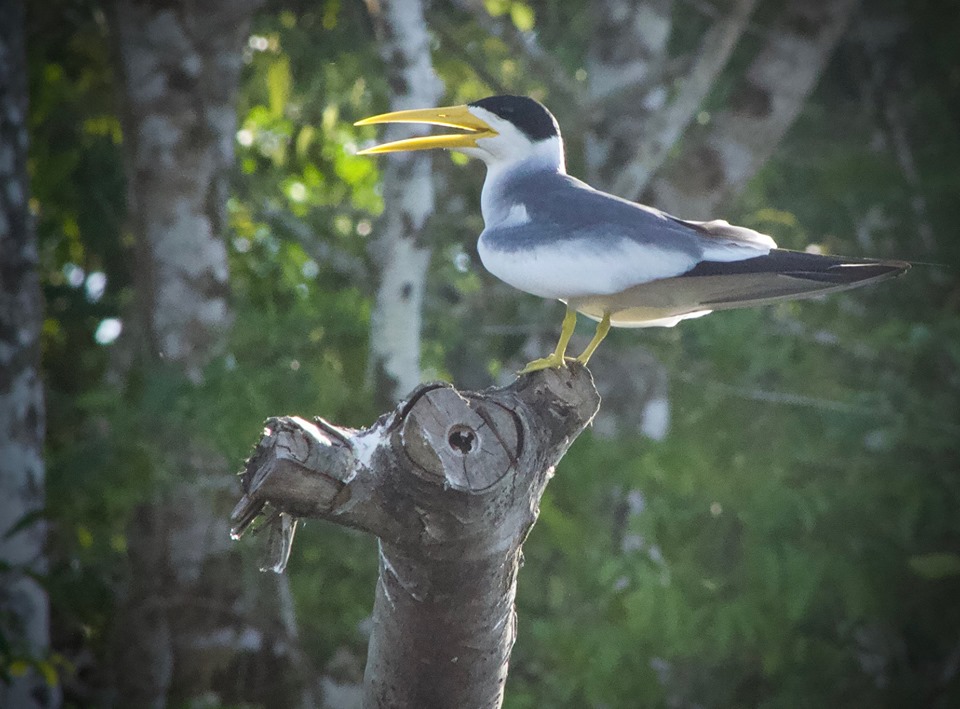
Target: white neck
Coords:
[[545, 155]]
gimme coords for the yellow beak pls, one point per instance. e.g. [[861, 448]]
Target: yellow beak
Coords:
[[450, 117]]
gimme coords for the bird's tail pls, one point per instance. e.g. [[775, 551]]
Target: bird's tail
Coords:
[[714, 285], [784, 275]]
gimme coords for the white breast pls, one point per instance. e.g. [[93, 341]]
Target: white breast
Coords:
[[579, 268]]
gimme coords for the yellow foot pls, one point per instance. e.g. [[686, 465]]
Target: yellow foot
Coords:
[[551, 361], [556, 359]]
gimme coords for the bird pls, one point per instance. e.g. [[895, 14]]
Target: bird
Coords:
[[620, 263]]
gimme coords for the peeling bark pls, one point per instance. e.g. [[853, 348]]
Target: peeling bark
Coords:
[[408, 198], [450, 483], [718, 160], [24, 607]]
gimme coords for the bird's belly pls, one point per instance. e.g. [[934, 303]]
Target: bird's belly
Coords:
[[573, 268], [661, 298], [638, 315], [667, 301]]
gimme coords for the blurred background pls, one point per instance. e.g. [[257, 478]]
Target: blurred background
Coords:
[[766, 512]]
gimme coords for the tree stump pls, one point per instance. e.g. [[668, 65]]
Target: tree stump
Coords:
[[450, 483]]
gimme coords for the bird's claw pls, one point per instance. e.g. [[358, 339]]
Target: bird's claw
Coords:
[[551, 361]]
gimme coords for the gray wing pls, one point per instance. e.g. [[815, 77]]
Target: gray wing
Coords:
[[571, 210], [577, 211]]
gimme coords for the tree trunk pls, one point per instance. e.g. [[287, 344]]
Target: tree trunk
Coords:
[[408, 197], [662, 128], [186, 615], [717, 161], [180, 66], [24, 607], [628, 53], [450, 483]]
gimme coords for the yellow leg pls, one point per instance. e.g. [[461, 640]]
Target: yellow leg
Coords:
[[556, 358], [603, 327]]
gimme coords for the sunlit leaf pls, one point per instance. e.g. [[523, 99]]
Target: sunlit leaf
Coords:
[[278, 85], [522, 16], [497, 7], [18, 668], [304, 140]]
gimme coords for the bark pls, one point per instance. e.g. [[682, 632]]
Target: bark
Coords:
[[717, 161], [664, 127], [450, 483], [408, 197], [24, 607], [185, 616], [628, 53], [180, 65]]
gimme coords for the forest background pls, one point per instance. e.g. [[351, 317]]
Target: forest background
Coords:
[[766, 512]]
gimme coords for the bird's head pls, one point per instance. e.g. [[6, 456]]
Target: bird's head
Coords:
[[500, 130]]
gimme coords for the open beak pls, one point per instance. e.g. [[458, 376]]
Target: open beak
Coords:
[[450, 117]]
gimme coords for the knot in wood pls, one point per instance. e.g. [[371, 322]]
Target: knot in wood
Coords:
[[463, 439], [462, 443]]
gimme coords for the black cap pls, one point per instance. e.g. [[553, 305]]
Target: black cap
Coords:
[[530, 117]]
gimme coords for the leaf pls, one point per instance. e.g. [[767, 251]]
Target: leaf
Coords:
[[304, 140], [496, 7], [278, 86], [522, 16], [49, 673], [84, 537], [935, 565]]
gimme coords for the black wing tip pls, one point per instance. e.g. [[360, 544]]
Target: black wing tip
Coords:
[[855, 271], [809, 266], [888, 264]]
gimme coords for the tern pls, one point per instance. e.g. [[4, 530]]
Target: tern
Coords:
[[620, 263]]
